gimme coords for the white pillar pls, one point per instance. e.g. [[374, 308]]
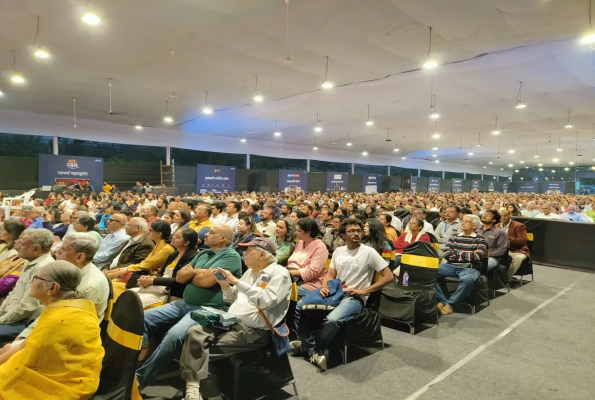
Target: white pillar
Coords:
[[308, 165], [388, 171], [247, 161], [443, 174], [168, 155], [418, 172], [464, 175], [352, 168], [55, 146]]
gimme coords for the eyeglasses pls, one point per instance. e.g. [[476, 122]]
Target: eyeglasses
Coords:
[[352, 231], [40, 278]]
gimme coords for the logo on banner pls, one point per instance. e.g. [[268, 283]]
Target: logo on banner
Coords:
[[72, 164], [338, 176], [293, 175], [216, 170]]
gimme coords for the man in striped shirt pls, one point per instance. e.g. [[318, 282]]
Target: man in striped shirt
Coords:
[[461, 253]]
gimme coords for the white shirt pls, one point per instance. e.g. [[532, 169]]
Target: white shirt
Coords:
[[549, 216], [267, 228], [216, 220], [232, 221], [133, 240], [396, 223], [356, 268], [69, 205], [272, 299]]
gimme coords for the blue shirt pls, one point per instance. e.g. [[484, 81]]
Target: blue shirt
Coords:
[[103, 222], [108, 248], [575, 217], [37, 223]]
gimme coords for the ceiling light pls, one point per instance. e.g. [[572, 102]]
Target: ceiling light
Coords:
[[555, 160], [318, 128], [511, 151], [1, 93], [348, 141], [516, 170], [522, 162], [258, 98], [369, 122], [327, 83], [434, 155], [510, 165], [255, 95], [541, 169], [277, 133], [91, 19], [588, 37], [403, 158], [243, 140], [484, 166], [167, 118], [434, 115], [558, 149], [429, 62], [491, 162], [540, 164], [470, 153], [566, 169], [519, 101], [536, 156], [314, 148], [138, 127], [568, 123], [17, 78], [41, 53], [437, 161], [435, 147], [206, 109], [364, 153], [436, 136], [571, 163], [496, 132], [395, 150]]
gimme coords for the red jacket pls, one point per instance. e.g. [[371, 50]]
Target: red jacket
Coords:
[[400, 243], [517, 236]]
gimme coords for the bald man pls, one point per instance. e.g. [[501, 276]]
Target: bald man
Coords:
[[108, 249], [137, 248]]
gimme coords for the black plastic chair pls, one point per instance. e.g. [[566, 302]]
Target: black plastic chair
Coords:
[[416, 303], [122, 344], [526, 267]]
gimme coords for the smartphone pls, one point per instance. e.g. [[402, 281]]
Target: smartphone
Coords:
[[219, 276]]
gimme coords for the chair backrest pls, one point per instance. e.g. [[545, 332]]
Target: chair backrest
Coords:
[[434, 241], [530, 238], [107, 316], [420, 260], [122, 345]]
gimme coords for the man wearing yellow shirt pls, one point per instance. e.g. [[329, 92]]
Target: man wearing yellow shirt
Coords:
[[201, 223]]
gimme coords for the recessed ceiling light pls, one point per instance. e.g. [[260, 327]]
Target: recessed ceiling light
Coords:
[[540, 164], [522, 162], [491, 162], [243, 140], [91, 19], [511, 151], [516, 170], [437, 161], [434, 155]]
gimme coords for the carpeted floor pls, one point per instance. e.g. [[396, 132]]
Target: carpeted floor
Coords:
[[510, 350]]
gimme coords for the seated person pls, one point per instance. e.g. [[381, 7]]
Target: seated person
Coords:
[[10, 230], [531, 211], [86, 224], [355, 265], [391, 233], [137, 248], [517, 239], [284, 239], [573, 213], [548, 212], [462, 258], [61, 228], [245, 231], [267, 226], [202, 222], [202, 290], [62, 357], [420, 213], [308, 261], [108, 249], [332, 239], [36, 215], [18, 310], [415, 233], [159, 233], [249, 297], [450, 226], [11, 264], [495, 237], [153, 290], [181, 218]]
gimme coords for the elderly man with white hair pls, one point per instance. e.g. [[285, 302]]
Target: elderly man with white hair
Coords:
[[19, 309], [531, 211], [462, 258], [36, 215]]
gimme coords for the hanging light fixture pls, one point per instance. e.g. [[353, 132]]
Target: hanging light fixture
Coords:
[[588, 37], [317, 128], [327, 83], [315, 147], [74, 112], [470, 153], [277, 132], [16, 77], [243, 140], [348, 141], [520, 104], [166, 117], [110, 112], [396, 149], [496, 131], [137, 126], [287, 59], [365, 152], [559, 148], [1, 93], [434, 114], [436, 135], [255, 95], [206, 109], [435, 146], [39, 52], [478, 140], [568, 123], [369, 122], [173, 77], [388, 139], [429, 62]]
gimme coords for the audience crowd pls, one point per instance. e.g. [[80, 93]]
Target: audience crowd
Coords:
[[243, 254]]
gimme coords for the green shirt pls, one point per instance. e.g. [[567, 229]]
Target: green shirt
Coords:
[[226, 258], [284, 251]]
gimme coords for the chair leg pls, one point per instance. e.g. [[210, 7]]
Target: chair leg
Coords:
[[345, 356], [531, 276], [521, 280], [295, 390], [473, 309], [412, 329], [382, 343]]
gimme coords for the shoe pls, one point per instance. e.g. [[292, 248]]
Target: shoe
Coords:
[[319, 360], [296, 347], [446, 310], [439, 306], [192, 391]]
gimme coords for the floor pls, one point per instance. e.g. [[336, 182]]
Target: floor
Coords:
[[536, 342]]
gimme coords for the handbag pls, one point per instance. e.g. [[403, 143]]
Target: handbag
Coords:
[[279, 333]]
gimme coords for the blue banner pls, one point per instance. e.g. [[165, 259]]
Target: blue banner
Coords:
[[336, 181], [371, 183], [527, 187], [414, 184], [474, 184], [558, 186], [457, 185], [505, 187], [293, 179], [215, 178], [434, 185], [68, 170]]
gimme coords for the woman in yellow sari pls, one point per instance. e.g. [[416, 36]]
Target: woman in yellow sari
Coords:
[[61, 359], [159, 233]]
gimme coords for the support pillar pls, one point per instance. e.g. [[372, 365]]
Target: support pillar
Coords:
[[168, 155], [247, 161], [55, 146]]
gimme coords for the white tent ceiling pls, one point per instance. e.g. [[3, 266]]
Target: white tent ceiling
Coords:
[[375, 47]]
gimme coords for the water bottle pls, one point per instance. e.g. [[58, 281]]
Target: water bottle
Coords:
[[405, 279]]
